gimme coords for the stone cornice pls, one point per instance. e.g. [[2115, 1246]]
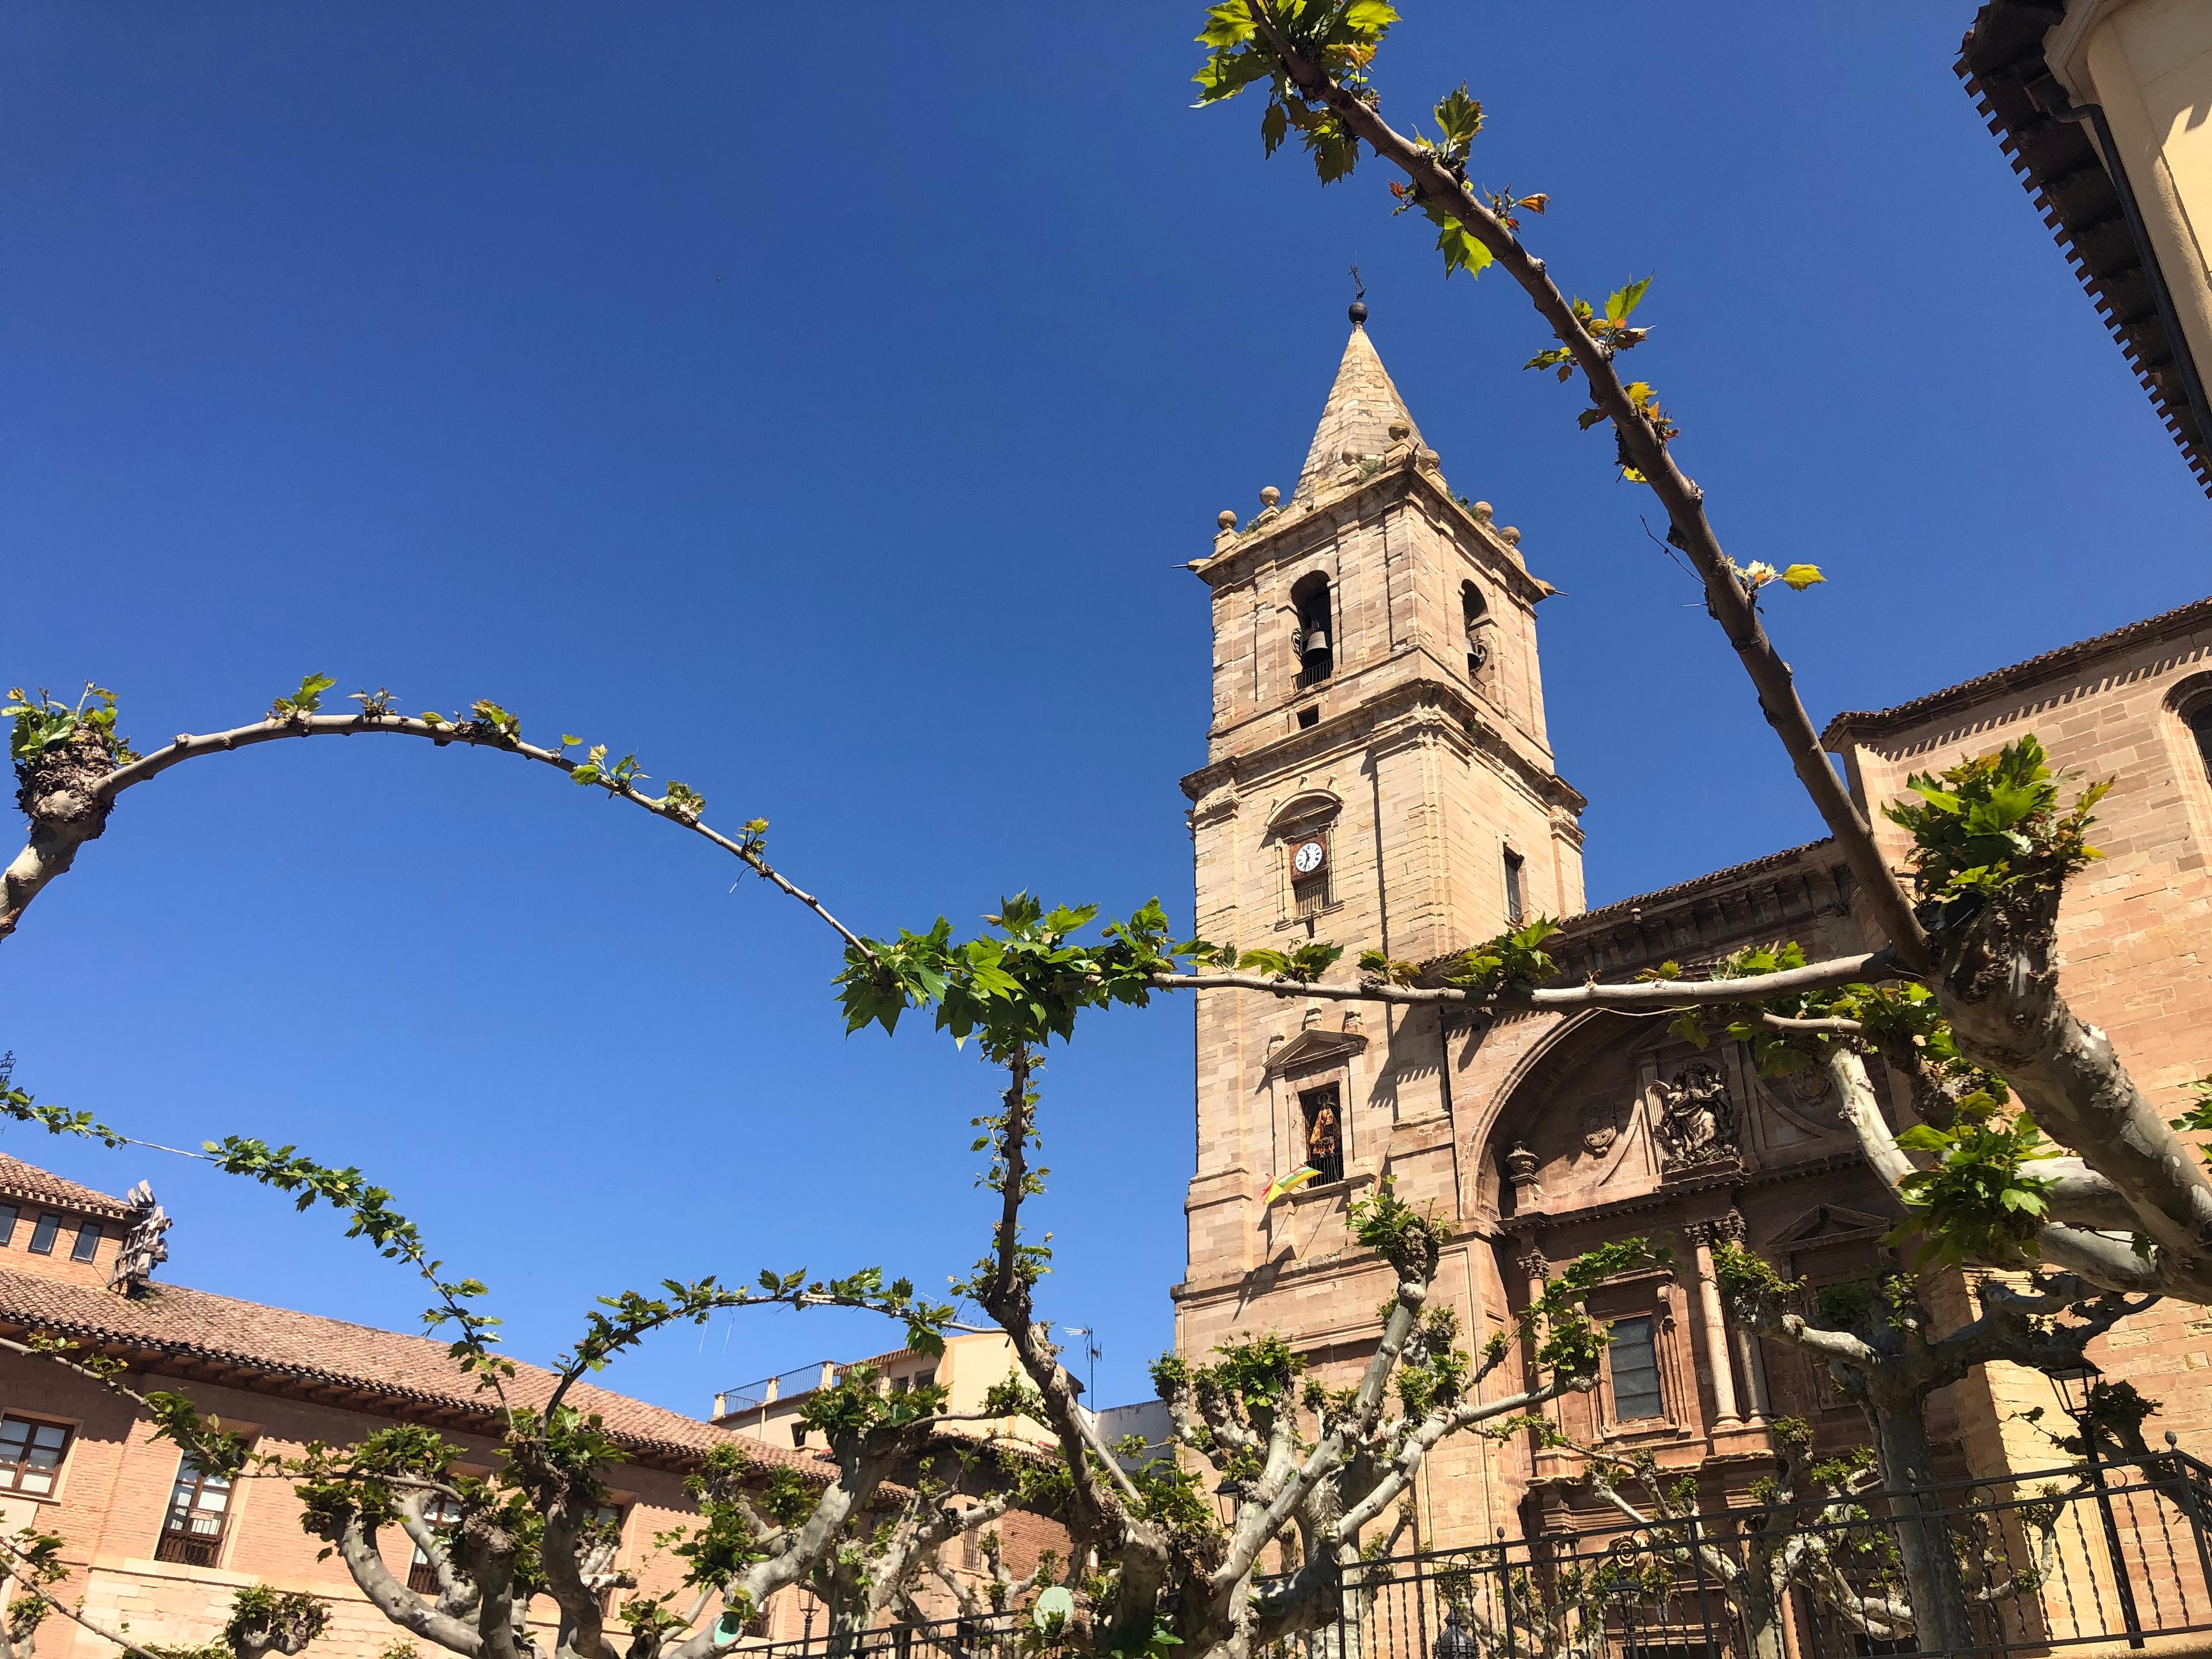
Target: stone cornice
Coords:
[[1236, 552], [1662, 1198], [1445, 708]]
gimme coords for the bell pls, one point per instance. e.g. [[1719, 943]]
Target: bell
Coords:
[[1317, 644]]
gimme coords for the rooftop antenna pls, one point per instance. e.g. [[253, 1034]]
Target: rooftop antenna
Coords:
[[1091, 1342], [1358, 313]]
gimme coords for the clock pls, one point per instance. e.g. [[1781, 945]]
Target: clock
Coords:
[[1308, 857]]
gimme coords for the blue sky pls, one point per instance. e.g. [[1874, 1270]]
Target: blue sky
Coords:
[[830, 419]]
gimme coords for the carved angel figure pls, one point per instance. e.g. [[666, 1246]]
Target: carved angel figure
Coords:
[[1696, 1125]]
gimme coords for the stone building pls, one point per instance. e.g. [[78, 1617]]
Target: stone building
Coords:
[[971, 1366], [1378, 774], [2102, 107], [157, 1549]]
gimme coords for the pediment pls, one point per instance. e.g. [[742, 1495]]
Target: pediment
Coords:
[[1831, 1221], [1313, 1048]]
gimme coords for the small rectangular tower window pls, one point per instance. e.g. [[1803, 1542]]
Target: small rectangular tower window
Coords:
[[1632, 1358], [87, 1242], [1309, 862], [8, 1216], [1514, 902], [43, 1235]]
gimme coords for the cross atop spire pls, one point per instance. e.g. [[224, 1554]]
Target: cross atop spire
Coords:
[[1361, 406]]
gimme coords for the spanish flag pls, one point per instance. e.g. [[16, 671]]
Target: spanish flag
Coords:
[[1289, 1183]]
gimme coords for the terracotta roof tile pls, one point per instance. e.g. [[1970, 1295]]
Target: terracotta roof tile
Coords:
[[27, 1181], [1589, 921], [306, 1348], [2182, 619]]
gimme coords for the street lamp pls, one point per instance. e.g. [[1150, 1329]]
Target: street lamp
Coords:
[[2076, 1386], [1455, 1640]]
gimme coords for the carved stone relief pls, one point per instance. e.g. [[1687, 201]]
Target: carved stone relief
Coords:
[[1694, 1121], [1600, 1127]]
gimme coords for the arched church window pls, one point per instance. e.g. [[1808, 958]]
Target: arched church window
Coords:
[[2200, 727], [1475, 618], [1323, 1115], [1310, 642]]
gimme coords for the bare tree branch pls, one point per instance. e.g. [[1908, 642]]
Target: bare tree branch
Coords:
[[1730, 602], [52, 846]]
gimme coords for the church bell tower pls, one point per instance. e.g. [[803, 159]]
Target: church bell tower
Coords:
[[1376, 775]]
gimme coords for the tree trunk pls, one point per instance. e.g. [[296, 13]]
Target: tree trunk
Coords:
[[1924, 1539], [1759, 1605]]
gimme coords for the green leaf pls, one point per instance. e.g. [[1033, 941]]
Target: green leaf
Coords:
[[1621, 303]]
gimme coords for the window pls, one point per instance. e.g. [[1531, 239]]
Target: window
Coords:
[[1306, 853], [43, 1235], [1633, 1359], [9, 1215], [31, 1454], [925, 1379], [901, 1384], [422, 1575], [1310, 641], [87, 1242], [1475, 618], [1324, 1132], [1308, 718], [199, 1509], [1515, 900], [2200, 727]]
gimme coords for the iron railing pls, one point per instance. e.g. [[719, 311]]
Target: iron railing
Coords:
[[2117, 1552]]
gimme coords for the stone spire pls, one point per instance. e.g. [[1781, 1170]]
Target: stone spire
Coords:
[[1361, 406]]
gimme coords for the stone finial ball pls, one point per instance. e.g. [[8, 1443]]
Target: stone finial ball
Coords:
[[1400, 431], [1482, 510], [1270, 495], [1226, 518], [1510, 536]]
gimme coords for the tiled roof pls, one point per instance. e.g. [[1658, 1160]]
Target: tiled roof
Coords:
[[27, 1181], [308, 1351], [2181, 620], [1591, 920]]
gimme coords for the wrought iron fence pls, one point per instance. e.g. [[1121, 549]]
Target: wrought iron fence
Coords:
[[2113, 1553], [2116, 1554]]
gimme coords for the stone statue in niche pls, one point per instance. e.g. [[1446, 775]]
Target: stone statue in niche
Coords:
[[1600, 1127], [1696, 1125]]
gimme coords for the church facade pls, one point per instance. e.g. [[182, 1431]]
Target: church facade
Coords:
[[1378, 775]]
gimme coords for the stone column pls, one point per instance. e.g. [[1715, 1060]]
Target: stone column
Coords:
[[1750, 1374], [1714, 1329], [1538, 1273]]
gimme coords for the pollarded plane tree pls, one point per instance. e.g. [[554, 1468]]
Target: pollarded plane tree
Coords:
[[1885, 1353], [537, 1524], [1299, 1462]]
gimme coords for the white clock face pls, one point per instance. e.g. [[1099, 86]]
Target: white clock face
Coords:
[[1308, 857]]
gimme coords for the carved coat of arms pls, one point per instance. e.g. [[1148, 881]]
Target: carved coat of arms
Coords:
[[1600, 1127]]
